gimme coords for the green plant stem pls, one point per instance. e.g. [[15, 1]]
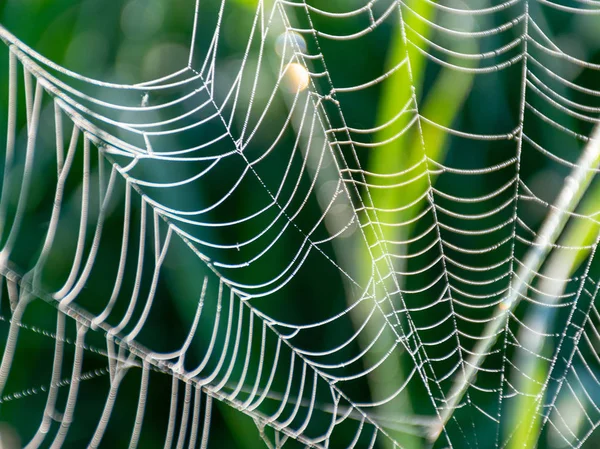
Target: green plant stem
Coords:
[[562, 265], [576, 184]]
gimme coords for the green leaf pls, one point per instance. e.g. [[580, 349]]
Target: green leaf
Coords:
[[407, 142]]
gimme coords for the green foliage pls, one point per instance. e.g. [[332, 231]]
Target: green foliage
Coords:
[[86, 38]]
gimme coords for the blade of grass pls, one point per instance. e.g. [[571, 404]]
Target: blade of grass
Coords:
[[562, 264], [402, 151], [568, 199], [391, 157]]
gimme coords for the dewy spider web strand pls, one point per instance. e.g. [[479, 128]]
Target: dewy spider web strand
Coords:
[[433, 270]]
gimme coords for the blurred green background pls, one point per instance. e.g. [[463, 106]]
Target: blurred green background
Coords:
[[131, 41]]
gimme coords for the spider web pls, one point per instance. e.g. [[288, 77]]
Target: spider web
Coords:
[[454, 297]]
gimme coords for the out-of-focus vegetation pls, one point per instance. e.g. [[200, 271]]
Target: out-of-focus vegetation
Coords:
[[135, 40]]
